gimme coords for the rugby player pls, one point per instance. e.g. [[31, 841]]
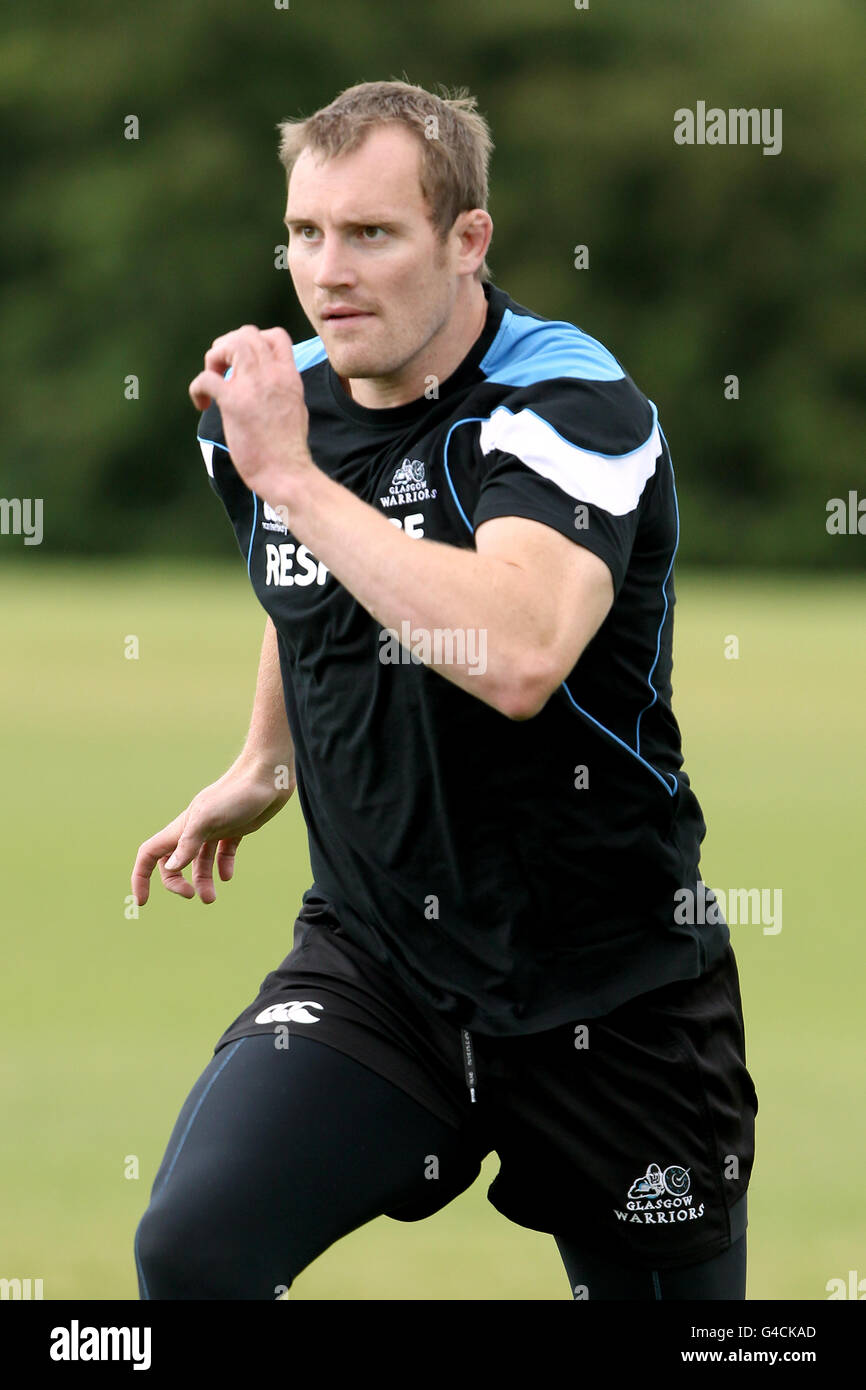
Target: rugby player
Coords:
[[460, 518]]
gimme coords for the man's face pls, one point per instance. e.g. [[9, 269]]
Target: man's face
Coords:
[[360, 235]]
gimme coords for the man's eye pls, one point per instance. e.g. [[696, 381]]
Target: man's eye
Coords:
[[301, 231]]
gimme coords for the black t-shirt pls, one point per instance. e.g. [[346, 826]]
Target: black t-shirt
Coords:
[[514, 874]]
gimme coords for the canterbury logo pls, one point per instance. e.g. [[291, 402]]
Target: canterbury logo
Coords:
[[295, 1011]]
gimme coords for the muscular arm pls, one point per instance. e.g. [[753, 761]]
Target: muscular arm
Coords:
[[527, 597], [269, 743]]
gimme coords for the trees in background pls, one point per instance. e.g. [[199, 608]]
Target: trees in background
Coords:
[[729, 282]]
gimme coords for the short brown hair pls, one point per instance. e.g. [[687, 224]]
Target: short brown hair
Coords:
[[454, 159]]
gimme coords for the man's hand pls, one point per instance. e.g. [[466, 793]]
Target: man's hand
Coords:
[[264, 415], [213, 824]]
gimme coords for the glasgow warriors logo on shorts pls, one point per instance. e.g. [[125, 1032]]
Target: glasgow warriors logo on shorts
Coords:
[[660, 1198], [655, 1183]]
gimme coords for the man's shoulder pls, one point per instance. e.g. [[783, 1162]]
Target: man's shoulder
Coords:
[[530, 349], [553, 370]]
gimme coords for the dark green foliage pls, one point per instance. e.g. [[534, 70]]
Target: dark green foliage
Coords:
[[129, 256]]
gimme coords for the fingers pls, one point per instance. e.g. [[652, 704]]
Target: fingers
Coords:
[[173, 850], [248, 341], [187, 847], [226, 857], [202, 868], [202, 872], [174, 881], [149, 854], [248, 344], [260, 341], [280, 343], [206, 387], [229, 350]]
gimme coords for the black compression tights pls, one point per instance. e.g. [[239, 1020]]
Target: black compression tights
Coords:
[[277, 1154]]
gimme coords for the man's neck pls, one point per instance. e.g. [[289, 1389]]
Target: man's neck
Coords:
[[441, 358]]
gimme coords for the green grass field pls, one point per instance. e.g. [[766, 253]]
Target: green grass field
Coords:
[[108, 1020]]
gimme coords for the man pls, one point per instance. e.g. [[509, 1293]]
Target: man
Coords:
[[460, 518]]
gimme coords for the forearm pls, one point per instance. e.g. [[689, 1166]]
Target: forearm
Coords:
[[268, 748], [418, 588]]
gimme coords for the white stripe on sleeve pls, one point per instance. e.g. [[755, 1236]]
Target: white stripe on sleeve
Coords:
[[207, 449], [613, 482]]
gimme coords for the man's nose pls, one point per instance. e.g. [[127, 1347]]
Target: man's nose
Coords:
[[333, 264]]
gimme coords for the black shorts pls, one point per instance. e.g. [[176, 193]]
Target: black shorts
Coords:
[[634, 1132]]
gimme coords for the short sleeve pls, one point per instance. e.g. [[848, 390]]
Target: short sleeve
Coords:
[[578, 457]]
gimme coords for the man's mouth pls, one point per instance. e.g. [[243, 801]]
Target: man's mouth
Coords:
[[344, 315]]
